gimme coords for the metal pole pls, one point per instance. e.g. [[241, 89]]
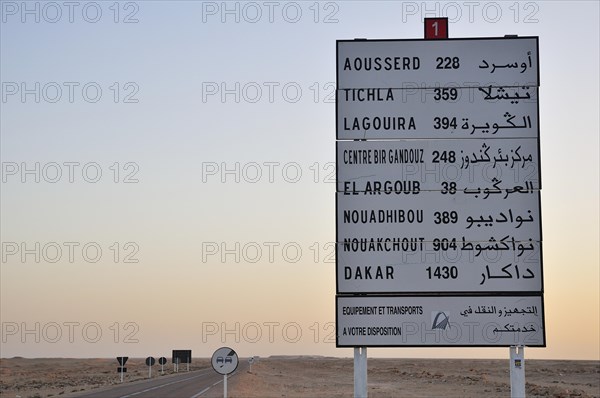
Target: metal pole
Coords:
[[121, 374], [364, 370], [224, 386], [360, 372], [517, 372], [149, 372]]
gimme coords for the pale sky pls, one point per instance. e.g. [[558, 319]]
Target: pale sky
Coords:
[[168, 172]]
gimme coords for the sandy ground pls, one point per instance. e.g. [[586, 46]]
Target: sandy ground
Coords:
[[50, 377], [333, 377], [318, 377]]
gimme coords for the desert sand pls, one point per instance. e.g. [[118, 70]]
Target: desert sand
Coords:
[[51, 377], [332, 377], [318, 377]]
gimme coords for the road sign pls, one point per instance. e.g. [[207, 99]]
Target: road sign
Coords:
[[224, 361], [122, 369], [439, 192], [411, 166], [184, 356], [162, 361], [477, 62], [427, 321], [150, 361]]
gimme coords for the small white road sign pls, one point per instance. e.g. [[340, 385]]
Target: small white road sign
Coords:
[[224, 361]]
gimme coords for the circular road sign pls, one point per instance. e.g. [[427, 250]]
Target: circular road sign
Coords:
[[150, 361], [162, 360], [224, 361]]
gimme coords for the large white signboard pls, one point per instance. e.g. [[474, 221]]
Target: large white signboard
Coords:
[[437, 165], [437, 63], [438, 193], [440, 321]]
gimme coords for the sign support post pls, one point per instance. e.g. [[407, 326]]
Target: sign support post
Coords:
[[517, 371], [360, 372], [181, 356], [122, 369], [224, 386], [150, 361]]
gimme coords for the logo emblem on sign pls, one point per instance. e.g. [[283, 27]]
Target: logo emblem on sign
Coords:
[[441, 320]]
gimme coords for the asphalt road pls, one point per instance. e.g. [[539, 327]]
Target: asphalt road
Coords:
[[185, 385]]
